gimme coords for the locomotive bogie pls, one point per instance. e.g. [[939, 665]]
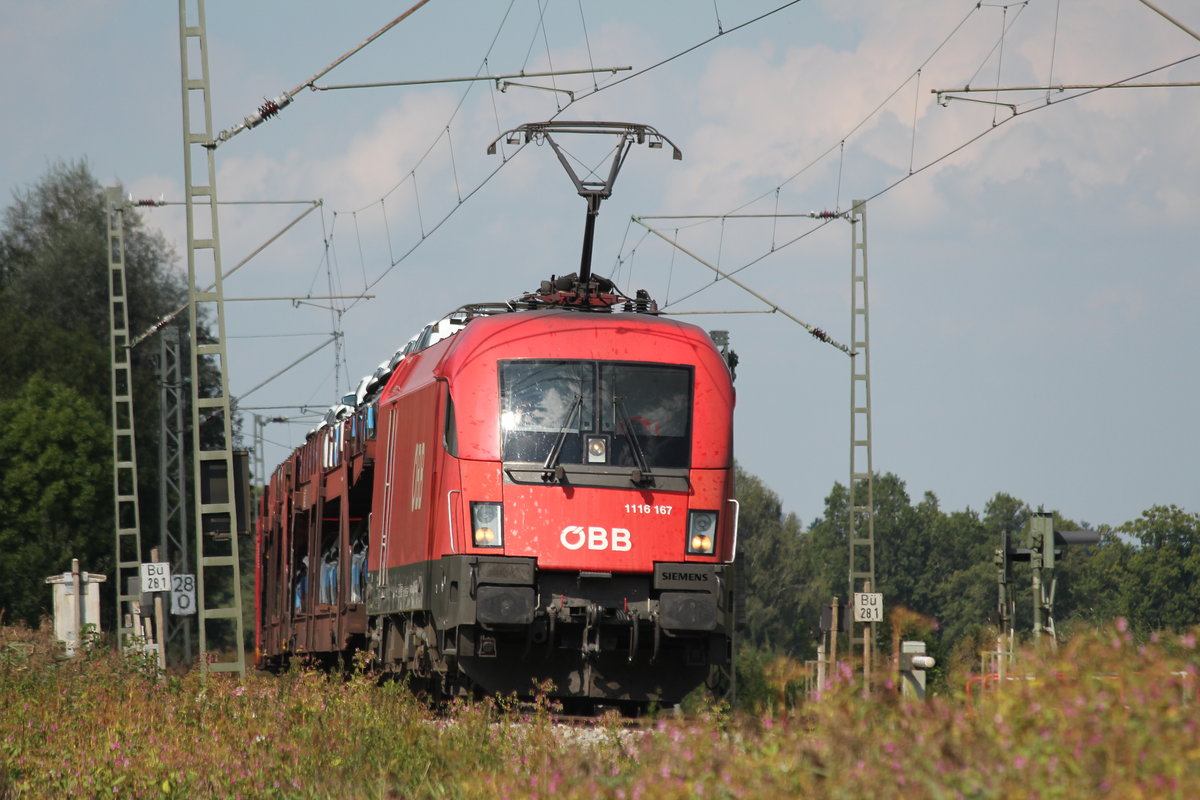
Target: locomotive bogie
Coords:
[[500, 625]]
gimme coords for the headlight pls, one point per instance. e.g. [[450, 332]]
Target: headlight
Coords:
[[487, 522], [597, 449], [701, 533]]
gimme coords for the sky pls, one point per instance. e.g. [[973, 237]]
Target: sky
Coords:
[[1031, 254]]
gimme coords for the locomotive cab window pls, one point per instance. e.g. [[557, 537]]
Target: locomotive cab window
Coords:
[[596, 413]]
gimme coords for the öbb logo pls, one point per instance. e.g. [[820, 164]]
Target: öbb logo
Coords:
[[576, 537]]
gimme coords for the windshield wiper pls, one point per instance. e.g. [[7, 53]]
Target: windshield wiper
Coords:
[[551, 471], [643, 476]]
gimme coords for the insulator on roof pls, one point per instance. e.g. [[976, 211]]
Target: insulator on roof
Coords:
[[644, 303]]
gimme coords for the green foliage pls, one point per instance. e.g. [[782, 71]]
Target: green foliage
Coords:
[[939, 565], [55, 355], [33, 344], [770, 681], [53, 257], [1160, 587], [55, 492], [772, 568], [1103, 717]]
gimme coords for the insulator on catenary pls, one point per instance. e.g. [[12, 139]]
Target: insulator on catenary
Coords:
[[161, 323], [268, 109], [149, 202], [825, 214], [820, 334]]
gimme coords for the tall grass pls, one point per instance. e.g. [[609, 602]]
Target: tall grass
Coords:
[[1103, 717]]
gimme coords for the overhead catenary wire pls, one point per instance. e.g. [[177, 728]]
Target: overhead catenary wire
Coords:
[[912, 147], [933, 162], [913, 168], [167, 318], [772, 306], [839, 145], [1004, 25], [546, 42], [575, 99], [1053, 47], [587, 40], [912, 171], [883, 103], [331, 340], [692, 48], [271, 108], [1170, 19], [340, 356], [541, 29], [497, 79], [1081, 90], [1000, 57], [825, 219], [424, 234], [396, 260]]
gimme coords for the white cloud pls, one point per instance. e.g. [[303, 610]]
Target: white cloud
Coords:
[[770, 111]]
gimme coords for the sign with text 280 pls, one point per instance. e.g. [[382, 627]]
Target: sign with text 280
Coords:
[[868, 607], [156, 576], [183, 594]]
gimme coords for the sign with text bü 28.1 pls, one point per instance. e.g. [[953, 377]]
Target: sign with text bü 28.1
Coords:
[[156, 576], [868, 607]]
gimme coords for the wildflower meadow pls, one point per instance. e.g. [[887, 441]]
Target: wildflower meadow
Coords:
[[1103, 716]]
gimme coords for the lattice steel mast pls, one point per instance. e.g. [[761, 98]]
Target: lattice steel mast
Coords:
[[862, 481], [218, 573], [172, 477], [125, 473]]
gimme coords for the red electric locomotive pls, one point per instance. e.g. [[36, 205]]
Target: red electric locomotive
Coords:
[[529, 496], [541, 491]]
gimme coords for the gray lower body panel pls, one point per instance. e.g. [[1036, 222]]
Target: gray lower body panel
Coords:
[[501, 626]]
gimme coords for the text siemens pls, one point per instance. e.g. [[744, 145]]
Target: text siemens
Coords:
[[701, 577]]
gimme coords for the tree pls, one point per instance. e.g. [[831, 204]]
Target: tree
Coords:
[[941, 565], [54, 293], [55, 498], [54, 339], [1096, 581], [53, 257], [1162, 590], [771, 569]]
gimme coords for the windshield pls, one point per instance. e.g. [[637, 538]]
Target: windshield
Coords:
[[636, 411]]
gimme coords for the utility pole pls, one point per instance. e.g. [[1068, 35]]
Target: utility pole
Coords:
[[125, 473], [218, 572]]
